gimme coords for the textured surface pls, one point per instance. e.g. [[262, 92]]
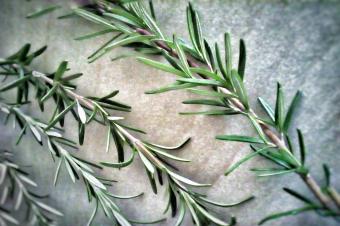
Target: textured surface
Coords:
[[294, 43]]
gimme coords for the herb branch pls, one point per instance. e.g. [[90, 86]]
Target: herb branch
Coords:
[[199, 65], [152, 157], [58, 87], [14, 182], [57, 144]]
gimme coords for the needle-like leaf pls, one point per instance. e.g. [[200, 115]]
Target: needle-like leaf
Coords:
[[161, 66], [279, 108], [302, 147], [287, 213], [267, 109], [58, 117], [42, 12], [120, 164], [186, 180], [292, 108], [240, 138], [81, 113], [60, 71], [14, 83], [242, 59], [239, 88], [94, 34], [228, 53], [244, 159]]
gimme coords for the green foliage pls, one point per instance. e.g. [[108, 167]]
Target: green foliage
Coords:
[[17, 195], [57, 87], [238, 138], [196, 64]]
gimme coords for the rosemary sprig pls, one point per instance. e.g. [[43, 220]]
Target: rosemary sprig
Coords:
[[14, 182], [58, 145], [76, 167], [153, 156], [195, 64], [154, 160]]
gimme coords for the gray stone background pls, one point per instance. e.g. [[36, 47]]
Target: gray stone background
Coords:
[[294, 42]]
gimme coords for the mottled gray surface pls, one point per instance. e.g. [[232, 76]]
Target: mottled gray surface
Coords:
[[295, 43]]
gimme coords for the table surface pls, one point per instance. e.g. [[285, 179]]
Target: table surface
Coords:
[[293, 42]]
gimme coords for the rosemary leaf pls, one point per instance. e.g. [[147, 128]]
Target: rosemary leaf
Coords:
[[298, 196], [93, 17], [170, 148], [128, 40], [14, 84], [174, 86], [327, 175], [244, 159], [227, 204], [239, 138], [126, 197], [242, 59], [42, 11], [58, 117], [181, 214], [211, 112], [207, 73], [302, 147], [49, 208], [92, 35], [271, 172], [186, 180], [161, 66], [205, 102], [60, 71], [239, 88], [287, 213], [202, 82], [228, 54], [81, 113], [212, 93], [279, 108], [292, 108], [147, 164], [120, 164], [267, 109]]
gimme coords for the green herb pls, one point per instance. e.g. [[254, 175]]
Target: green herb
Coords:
[[50, 135], [200, 67], [101, 110], [16, 195]]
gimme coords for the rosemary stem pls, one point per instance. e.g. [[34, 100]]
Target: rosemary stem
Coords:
[[141, 147], [91, 106], [279, 142], [315, 188], [72, 94], [334, 195], [163, 46]]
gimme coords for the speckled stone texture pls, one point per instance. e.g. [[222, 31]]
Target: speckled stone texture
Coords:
[[294, 42]]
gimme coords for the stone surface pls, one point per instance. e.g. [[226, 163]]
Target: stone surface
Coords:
[[294, 42]]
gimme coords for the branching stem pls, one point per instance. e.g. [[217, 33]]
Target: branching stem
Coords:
[[274, 138], [91, 106]]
